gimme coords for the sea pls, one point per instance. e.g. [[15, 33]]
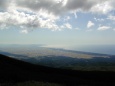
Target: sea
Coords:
[[102, 49]]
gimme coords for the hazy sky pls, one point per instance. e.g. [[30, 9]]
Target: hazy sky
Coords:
[[57, 22]]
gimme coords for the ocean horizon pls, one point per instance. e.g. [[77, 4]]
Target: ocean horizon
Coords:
[[102, 49]]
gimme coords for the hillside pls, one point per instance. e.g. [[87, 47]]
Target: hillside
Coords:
[[14, 71]]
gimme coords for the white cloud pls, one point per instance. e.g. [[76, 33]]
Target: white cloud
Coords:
[[67, 18], [90, 24], [99, 19], [111, 17], [45, 13], [101, 28], [24, 31], [15, 18], [75, 15], [67, 25], [102, 8]]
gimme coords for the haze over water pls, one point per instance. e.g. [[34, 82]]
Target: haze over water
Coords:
[[102, 49]]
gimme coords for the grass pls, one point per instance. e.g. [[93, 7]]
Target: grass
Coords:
[[30, 83]]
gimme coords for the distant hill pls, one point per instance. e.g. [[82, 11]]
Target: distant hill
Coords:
[[13, 70]]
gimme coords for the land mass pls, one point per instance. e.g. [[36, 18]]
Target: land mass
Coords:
[[16, 71]]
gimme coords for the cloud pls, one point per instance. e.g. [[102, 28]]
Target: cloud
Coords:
[[67, 25], [75, 15], [24, 31], [34, 14], [21, 19], [101, 28], [4, 4], [61, 6], [51, 6], [90, 24], [111, 17], [99, 19], [102, 8], [67, 18], [58, 7], [80, 4]]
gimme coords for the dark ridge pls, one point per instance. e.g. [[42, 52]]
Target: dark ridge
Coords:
[[13, 70]]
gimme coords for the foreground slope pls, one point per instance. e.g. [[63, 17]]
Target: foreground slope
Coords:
[[12, 70]]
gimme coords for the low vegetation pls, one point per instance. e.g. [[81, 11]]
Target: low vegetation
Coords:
[[30, 83]]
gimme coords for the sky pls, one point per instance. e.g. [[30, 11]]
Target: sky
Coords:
[[58, 23]]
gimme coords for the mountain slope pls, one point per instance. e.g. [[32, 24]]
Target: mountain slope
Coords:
[[12, 70]]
